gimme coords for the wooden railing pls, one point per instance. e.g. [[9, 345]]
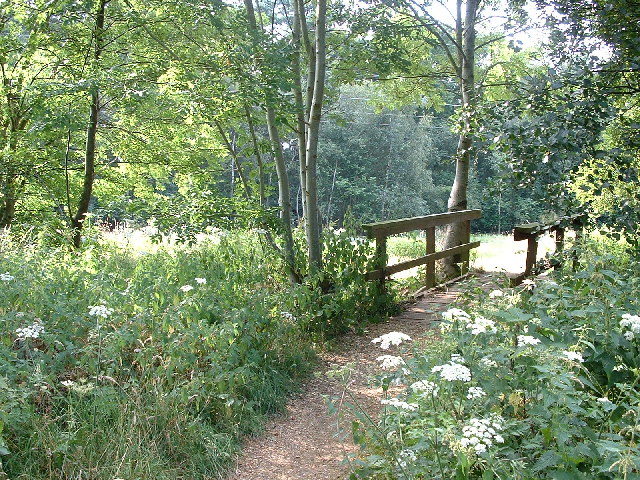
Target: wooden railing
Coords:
[[532, 231], [381, 230]]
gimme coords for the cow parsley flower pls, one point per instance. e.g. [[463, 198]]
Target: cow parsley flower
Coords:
[[394, 402], [425, 387], [632, 325], [391, 338], [186, 288], [453, 371], [476, 392], [488, 362], [6, 277], [288, 316], [524, 340], [496, 294], [201, 281], [390, 362], [67, 383], [32, 331], [481, 325], [457, 358], [455, 314], [406, 458], [482, 433], [100, 311], [573, 356]]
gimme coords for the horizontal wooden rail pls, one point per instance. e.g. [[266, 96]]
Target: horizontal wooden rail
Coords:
[[381, 230], [399, 267], [404, 225]]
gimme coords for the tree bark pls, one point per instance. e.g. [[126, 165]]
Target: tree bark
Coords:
[[312, 220], [456, 233], [92, 130]]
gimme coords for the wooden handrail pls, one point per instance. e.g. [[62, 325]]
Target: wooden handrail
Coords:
[[531, 232], [381, 230]]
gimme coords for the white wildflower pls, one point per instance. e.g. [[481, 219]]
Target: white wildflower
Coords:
[[391, 338], [6, 277], [488, 362], [100, 311], [201, 281], [481, 325], [528, 283], [573, 356], [457, 358], [339, 231], [426, 387], [603, 400], [496, 294], [455, 314], [406, 458], [186, 288], [20, 314], [476, 392], [390, 362], [482, 433], [453, 371], [620, 368], [67, 383], [630, 323], [32, 331], [288, 316], [524, 340], [394, 402]]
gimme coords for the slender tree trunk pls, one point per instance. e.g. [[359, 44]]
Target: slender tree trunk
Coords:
[[312, 221], [256, 149], [92, 130], [458, 197], [284, 194], [284, 197]]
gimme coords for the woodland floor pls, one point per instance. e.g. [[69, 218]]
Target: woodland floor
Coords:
[[306, 443]]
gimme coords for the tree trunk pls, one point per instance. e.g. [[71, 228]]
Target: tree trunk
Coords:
[[456, 233], [312, 220], [284, 194], [92, 130]]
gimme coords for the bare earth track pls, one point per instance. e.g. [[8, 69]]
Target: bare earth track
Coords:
[[303, 444]]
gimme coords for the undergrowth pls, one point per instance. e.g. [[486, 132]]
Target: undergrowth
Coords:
[[117, 363]]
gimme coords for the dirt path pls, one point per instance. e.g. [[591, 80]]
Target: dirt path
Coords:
[[304, 444]]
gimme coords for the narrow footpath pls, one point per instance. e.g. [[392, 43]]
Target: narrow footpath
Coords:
[[305, 443]]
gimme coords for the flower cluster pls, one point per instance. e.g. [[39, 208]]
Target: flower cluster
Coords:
[[455, 314], [573, 356], [496, 294], [288, 316], [201, 281], [6, 277], [32, 331], [186, 288], [524, 340], [425, 387], [453, 370], [100, 311], [390, 362], [488, 362], [391, 338], [394, 402], [481, 325], [476, 392], [481, 433], [632, 324]]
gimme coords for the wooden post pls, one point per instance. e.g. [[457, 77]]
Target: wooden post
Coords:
[[532, 253], [464, 258], [381, 256], [559, 245], [430, 280]]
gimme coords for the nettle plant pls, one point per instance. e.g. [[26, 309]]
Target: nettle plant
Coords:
[[536, 382]]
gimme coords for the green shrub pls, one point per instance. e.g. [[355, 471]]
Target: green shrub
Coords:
[[520, 385]]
